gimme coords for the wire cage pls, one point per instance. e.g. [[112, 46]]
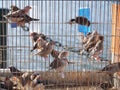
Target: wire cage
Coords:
[[15, 43]]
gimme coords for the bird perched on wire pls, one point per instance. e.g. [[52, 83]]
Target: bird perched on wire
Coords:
[[15, 71], [59, 65], [80, 20], [93, 45]]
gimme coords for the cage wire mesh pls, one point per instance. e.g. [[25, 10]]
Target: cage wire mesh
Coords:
[[53, 15]]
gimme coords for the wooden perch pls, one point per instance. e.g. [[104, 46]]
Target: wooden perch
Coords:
[[71, 78]]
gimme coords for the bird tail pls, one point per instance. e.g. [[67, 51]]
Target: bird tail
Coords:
[[34, 19]]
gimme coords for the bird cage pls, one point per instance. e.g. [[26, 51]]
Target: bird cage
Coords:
[[54, 45]]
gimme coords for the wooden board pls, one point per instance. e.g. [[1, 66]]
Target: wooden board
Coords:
[[115, 47]]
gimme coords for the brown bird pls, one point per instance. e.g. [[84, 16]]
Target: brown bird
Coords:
[[97, 38], [35, 38], [26, 19], [59, 64], [18, 15], [31, 80], [47, 49], [80, 20], [93, 45], [112, 68], [106, 85], [39, 44], [15, 71], [25, 79], [7, 84]]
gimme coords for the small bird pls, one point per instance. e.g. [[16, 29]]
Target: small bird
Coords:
[[35, 38], [25, 78], [7, 84], [111, 68], [15, 71], [47, 49], [80, 20], [37, 79], [20, 16], [26, 19], [106, 85], [59, 65], [16, 16], [39, 44], [93, 45], [88, 41]]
